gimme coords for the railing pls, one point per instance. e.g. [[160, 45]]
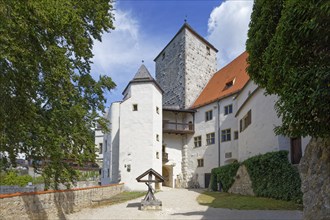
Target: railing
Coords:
[[165, 157], [178, 128]]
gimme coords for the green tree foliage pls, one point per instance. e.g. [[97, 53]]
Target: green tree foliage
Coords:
[[288, 46], [49, 100], [273, 176]]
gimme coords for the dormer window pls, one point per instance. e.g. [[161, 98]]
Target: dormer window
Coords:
[[229, 83]]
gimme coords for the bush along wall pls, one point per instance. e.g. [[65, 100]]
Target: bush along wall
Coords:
[[224, 175], [273, 176]]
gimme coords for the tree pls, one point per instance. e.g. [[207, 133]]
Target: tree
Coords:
[[288, 48], [49, 100]]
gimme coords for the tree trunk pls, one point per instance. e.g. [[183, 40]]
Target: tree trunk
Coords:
[[315, 179]]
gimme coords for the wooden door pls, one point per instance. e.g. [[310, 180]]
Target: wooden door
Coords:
[[207, 177], [296, 152]]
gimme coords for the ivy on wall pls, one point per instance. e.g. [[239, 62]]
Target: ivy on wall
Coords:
[[272, 176], [224, 175]]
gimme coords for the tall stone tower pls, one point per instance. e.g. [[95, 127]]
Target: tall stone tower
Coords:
[[184, 67]]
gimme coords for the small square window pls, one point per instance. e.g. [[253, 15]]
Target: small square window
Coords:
[[235, 135], [210, 138], [228, 109], [157, 155], [226, 135], [163, 56], [157, 137], [198, 141], [135, 107], [208, 52], [200, 162], [208, 115], [157, 110], [128, 168]]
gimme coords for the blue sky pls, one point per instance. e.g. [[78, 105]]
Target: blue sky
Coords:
[[144, 27]]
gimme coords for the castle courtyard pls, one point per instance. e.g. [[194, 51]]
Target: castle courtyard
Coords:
[[178, 204]]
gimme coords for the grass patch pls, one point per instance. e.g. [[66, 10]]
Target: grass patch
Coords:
[[233, 201], [119, 198]]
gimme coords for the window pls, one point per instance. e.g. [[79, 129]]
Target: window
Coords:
[[200, 162], [157, 155], [245, 121], [210, 138], [208, 115], [100, 148], [129, 168], [228, 155], [208, 50], [235, 135], [157, 110], [229, 84], [228, 109], [157, 137], [108, 172], [135, 107], [163, 56], [198, 141], [225, 135]]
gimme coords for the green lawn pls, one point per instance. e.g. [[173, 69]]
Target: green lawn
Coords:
[[233, 201], [121, 197]]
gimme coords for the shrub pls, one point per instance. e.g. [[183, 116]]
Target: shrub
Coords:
[[225, 175], [273, 176], [12, 178]]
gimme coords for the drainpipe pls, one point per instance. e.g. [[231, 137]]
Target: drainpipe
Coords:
[[218, 129]]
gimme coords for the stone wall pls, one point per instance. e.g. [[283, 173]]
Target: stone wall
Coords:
[[243, 183], [53, 204], [184, 68], [315, 179]]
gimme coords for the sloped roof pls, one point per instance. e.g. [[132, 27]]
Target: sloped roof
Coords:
[[158, 177], [143, 76], [219, 85], [188, 27]]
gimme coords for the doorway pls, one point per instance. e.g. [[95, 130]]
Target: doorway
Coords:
[[296, 152], [207, 177], [167, 173]]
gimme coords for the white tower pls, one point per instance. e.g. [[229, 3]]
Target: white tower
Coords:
[[140, 129]]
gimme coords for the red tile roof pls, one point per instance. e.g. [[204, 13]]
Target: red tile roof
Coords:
[[219, 85]]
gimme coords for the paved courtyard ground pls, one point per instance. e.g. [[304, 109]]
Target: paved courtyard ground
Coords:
[[178, 204]]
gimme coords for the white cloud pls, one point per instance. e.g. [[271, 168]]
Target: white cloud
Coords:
[[227, 29], [121, 52]]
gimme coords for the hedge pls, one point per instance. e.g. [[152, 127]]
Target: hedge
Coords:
[[273, 176], [225, 175]]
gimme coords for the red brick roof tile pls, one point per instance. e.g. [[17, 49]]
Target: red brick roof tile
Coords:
[[219, 85]]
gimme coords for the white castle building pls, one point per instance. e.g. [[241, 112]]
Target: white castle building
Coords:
[[191, 119]]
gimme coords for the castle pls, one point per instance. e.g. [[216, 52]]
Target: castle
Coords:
[[190, 119]]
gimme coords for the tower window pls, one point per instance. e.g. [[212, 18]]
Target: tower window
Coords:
[[157, 137], [208, 52], [157, 110], [163, 56], [135, 107]]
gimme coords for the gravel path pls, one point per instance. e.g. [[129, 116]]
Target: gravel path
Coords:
[[178, 204]]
